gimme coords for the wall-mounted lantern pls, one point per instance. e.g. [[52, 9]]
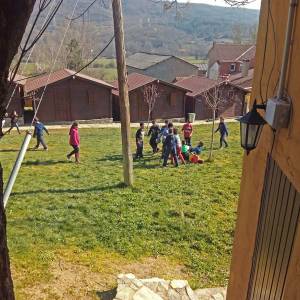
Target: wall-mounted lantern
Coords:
[[251, 127]]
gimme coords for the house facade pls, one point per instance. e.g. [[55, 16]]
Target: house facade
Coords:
[[233, 97], [68, 97], [228, 59], [170, 103], [266, 253], [163, 67]]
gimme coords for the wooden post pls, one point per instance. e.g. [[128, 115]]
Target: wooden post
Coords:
[[123, 91]]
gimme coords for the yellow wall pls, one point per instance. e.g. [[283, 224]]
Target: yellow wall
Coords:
[[286, 152]]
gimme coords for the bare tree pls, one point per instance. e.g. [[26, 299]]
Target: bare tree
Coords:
[[214, 99], [151, 93]]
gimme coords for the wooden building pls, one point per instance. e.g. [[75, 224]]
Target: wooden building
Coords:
[[266, 252], [234, 97], [68, 97], [15, 95], [160, 66], [228, 59], [169, 105]]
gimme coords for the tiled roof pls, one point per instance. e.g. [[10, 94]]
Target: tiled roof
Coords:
[[144, 60], [136, 80], [231, 52], [41, 81], [243, 82], [202, 67], [197, 85]]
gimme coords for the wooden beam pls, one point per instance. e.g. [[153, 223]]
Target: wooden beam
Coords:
[[123, 91]]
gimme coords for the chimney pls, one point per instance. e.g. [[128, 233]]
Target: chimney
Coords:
[[245, 67]]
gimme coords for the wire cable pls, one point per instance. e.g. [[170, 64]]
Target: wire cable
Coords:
[[28, 58], [54, 63]]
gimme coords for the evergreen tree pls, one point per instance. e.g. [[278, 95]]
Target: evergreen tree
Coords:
[[74, 55]]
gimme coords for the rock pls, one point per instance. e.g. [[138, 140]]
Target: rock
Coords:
[[125, 294], [173, 295], [190, 293], [138, 283], [218, 297], [145, 293], [178, 284], [152, 283]]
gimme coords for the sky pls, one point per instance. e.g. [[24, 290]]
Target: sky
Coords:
[[255, 4]]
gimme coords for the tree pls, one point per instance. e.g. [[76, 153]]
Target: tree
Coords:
[[214, 99], [237, 33], [14, 17], [151, 93], [74, 55]]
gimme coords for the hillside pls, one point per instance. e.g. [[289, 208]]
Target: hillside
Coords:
[[150, 28]]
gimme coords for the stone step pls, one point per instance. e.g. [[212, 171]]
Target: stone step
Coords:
[[132, 288]]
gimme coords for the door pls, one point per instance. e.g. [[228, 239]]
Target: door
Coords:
[[278, 219], [62, 103]]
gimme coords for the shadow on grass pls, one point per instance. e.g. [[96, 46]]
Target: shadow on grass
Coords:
[[107, 295], [73, 191], [44, 162], [10, 150]]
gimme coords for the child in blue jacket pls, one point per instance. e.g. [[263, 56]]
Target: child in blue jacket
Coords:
[[223, 132], [170, 148]]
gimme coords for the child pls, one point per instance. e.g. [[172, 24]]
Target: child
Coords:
[[198, 149], [170, 148], [164, 131], [139, 139], [39, 129], [154, 133], [178, 146], [195, 159], [187, 132], [223, 133], [14, 118], [185, 150], [74, 141]]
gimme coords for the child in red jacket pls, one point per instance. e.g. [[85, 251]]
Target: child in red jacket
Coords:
[[74, 141]]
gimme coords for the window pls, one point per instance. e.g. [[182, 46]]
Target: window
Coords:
[[91, 99], [232, 68]]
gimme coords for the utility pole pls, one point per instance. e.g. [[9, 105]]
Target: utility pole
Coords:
[[123, 91]]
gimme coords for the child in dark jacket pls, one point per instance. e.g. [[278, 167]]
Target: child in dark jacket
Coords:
[[14, 120], [154, 132], [139, 140], [39, 129], [74, 141], [170, 148], [223, 132]]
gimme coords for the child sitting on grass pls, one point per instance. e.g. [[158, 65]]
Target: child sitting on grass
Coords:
[[74, 141], [198, 149]]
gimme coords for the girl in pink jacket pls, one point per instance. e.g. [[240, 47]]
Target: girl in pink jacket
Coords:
[[74, 142]]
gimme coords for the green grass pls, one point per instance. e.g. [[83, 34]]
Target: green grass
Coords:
[[193, 60], [82, 215]]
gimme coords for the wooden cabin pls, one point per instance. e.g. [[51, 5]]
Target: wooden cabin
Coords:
[[170, 103], [232, 106], [68, 97]]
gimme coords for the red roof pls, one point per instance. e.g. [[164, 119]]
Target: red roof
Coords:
[[231, 52], [197, 84], [41, 81], [243, 82], [136, 80]]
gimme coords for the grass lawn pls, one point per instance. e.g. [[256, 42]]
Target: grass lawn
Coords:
[[73, 228]]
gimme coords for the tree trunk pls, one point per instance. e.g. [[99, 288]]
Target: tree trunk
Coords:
[[6, 284], [14, 16], [123, 91], [210, 157]]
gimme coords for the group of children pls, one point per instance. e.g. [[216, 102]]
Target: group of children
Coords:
[[172, 146], [40, 128]]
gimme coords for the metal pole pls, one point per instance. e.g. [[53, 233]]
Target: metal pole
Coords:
[[123, 91], [287, 48], [16, 168]]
